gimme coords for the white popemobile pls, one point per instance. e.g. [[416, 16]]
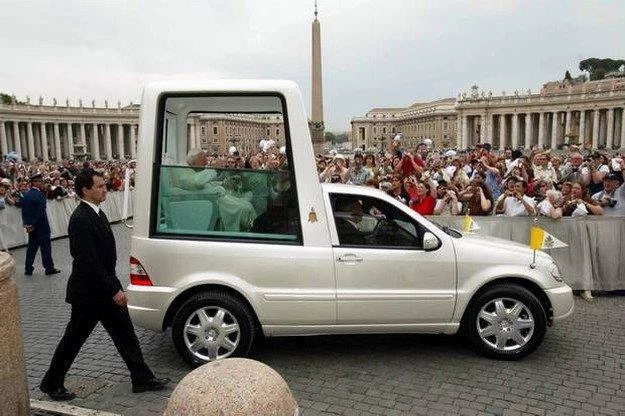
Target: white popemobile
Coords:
[[244, 253]]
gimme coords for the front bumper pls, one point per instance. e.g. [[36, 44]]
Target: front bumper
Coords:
[[561, 299]]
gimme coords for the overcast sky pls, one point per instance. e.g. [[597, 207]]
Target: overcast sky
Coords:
[[382, 53]]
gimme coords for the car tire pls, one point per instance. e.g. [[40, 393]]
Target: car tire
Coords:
[[506, 322], [212, 325]]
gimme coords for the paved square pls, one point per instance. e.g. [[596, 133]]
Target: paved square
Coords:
[[577, 371]]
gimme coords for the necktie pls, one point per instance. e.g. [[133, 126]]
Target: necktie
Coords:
[[105, 220]]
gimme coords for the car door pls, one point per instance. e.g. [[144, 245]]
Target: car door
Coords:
[[383, 274]]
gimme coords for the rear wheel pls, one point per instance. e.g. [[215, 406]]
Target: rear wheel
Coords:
[[211, 326], [506, 322]]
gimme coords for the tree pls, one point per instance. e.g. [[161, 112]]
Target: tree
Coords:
[[5, 98], [598, 68], [328, 136]]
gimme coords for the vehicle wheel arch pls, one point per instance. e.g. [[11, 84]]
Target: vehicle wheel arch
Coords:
[[534, 288], [203, 288]]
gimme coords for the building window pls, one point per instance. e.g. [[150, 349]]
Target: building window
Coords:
[[383, 130], [277, 132], [215, 130], [268, 132], [202, 130], [445, 126]]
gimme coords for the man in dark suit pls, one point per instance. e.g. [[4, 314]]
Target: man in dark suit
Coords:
[[35, 220], [96, 294]]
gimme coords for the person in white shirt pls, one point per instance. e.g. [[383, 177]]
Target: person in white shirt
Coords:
[[516, 203]]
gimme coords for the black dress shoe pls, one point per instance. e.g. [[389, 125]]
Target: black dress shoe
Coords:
[[150, 385], [58, 394], [28, 273], [52, 271]]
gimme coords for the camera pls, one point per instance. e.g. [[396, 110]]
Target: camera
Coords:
[[612, 203]]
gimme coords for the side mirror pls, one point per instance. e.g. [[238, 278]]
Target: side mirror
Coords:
[[430, 242]]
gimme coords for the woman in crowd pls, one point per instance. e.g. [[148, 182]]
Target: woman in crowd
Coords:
[[477, 197], [551, 206], [579, 203], [422, 201]]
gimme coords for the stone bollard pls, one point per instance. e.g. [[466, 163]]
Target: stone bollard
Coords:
[[234, 386], [13, 383]]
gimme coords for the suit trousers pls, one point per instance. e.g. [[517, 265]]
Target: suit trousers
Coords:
[[116, 321], [38, 240]]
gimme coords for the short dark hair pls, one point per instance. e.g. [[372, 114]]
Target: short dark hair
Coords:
[[85, 180]]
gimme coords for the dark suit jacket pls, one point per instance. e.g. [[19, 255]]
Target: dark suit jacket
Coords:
[[93, 280], [34, 211]]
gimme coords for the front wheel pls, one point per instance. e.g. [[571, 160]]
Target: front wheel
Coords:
[[506, 322], [212, 325]]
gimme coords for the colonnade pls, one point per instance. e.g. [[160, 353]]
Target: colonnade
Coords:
[[56, 140], [604, 127]]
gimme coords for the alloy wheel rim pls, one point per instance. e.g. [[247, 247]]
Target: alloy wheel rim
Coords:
[[505, 324], [211, 333]]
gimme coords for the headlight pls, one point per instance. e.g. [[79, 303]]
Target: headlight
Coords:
[[555, 272]]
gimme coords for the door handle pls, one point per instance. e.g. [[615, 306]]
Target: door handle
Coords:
[[349, 258]]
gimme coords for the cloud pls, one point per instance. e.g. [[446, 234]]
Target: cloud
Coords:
[[374, 53]]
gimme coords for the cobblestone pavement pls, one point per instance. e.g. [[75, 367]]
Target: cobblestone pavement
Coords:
[[577, 371]]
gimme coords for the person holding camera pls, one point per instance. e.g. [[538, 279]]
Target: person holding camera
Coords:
[[446, 200], [612, 198], [516, 203], [578, 170]]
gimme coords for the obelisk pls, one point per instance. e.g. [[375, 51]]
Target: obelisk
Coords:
[[316, 120]]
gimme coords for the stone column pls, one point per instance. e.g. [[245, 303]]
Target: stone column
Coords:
[[107, 143], [595, 129], [83, 135], [483, 128], [44, 142], [133, 141], [57, 142], [528, 130], [609, 140], [622, 139], [582, 126], [70, 141], [491, 129], [120, 141], [95, 143], [4, 147], [458, 131], [16, 139], [465, 132], [541, 129], [502, 131], [191, 136], [515, 131], [13, 379], [31, 141], [567, 127], [554, 130]]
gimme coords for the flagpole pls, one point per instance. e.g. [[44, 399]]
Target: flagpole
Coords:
[[533, 265]]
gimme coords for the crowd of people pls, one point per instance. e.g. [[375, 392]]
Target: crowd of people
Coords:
[[58, 177], [575, 181]]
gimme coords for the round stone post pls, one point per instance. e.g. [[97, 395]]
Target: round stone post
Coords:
[[234, 386], [15, 400]]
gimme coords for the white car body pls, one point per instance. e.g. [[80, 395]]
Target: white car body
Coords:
[[319, 286]]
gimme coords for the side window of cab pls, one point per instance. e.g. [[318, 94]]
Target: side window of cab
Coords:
[[367, 222]]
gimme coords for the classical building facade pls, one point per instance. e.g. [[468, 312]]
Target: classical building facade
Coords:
[[435, 120], [54, 132], [563, 112], [216, 133]]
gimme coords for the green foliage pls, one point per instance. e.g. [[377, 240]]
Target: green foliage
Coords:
[[598, 68], [5, 98]]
